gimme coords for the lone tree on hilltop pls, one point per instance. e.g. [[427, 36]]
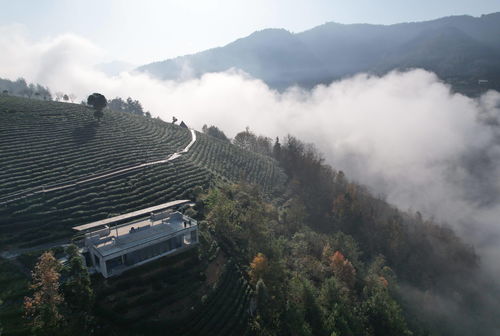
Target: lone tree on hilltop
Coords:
[[99, 102]]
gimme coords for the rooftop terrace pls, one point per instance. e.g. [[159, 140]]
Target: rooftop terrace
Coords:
[[120, 237]]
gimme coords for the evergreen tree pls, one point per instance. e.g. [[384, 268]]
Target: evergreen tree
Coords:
[[262, 299], [277, 149], [78, 293], [215, 132]]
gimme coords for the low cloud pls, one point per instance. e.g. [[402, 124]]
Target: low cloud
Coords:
[[405, 135]]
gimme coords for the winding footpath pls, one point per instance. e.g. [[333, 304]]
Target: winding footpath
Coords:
[[121, 171]]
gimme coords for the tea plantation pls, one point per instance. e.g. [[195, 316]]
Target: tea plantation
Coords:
[[45, 144], [165, 296]]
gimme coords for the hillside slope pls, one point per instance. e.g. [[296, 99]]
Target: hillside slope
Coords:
[[43, 144], [333, 50]]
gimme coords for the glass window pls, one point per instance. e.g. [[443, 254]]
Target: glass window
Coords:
[[194, 236], [112, 263]]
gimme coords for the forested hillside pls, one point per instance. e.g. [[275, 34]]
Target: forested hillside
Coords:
[[337, 260]]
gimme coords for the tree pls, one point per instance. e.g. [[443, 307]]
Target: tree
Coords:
[[99, 102], [312, 311], [31, 90], [43, 308], [215, 132], [277, 149], [65, 97], [129, 105], [343, 269], [262, 296], [78, 293], [246, 140], [384, 314], [258, 267]]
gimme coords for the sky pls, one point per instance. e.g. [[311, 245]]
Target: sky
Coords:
[[141, 32]]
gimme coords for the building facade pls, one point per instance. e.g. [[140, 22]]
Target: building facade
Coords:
[[113, 250]]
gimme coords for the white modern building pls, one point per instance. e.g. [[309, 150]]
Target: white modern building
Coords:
[[110, 250]]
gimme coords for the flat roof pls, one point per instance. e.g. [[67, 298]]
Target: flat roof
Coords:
[[122, 238], [106, 221]]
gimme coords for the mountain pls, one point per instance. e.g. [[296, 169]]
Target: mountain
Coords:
[[447, 51], [274, 54], [463, 47]]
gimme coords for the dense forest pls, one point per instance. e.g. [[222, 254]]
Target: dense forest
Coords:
[[328, 258], [323, 258], [129, 105]]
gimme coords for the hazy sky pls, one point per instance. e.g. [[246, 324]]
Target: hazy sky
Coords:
[[143, 31]]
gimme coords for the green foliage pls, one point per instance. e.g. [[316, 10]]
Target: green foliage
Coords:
[[262, 297], [320, 282], [251, 142], [384, 315], [239, 218], [303, 293], [14, 285], [97, 101], [78, 293], [342, 315], [215, 132], [129, 106], [334, 204]]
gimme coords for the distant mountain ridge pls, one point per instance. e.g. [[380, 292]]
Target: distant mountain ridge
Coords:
[[460, 49]]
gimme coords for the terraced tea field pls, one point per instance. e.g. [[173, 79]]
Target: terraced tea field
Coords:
[[44, 143], [165, 295], [47, 143]]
